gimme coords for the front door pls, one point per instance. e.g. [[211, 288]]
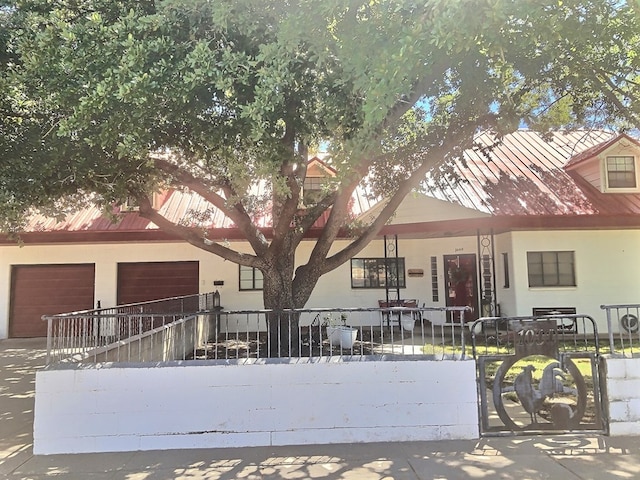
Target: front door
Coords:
[[461, 281]]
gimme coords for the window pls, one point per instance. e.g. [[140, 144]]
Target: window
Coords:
[[551, 269], [621, 172], [250, 278], [435, 294], [505, 266], [370, 272], [312, 190]]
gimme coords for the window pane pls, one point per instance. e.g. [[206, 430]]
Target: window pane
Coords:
[[550, 269], [250, 278], [357, 273], [621, 172], [374, 272]]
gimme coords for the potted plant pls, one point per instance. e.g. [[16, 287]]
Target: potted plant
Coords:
[[338, 332]]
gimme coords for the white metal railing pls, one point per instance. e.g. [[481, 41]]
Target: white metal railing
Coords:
[[623, 328], [72, 335], [212, 334]]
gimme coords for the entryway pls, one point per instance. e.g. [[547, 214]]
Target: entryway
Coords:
[[461, 282]]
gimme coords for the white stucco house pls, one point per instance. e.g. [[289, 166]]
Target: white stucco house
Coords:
[[527, 225]]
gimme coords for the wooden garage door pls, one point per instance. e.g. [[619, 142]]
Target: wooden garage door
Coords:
[[142, 282], [38, 290]]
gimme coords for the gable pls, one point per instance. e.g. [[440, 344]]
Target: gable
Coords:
[[419, 208], [612, 168]]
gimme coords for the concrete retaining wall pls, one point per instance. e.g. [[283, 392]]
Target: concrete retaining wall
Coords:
[[175, 340], [204, 405], [623, 392]]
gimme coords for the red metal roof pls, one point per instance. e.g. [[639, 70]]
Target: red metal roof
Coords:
[[526, 175], [183, 207]]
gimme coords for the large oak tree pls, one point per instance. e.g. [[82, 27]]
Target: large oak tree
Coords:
[[106, 99]]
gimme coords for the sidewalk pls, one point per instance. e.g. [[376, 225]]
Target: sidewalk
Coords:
[[568, 457]]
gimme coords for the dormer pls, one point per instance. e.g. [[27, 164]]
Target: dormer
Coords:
[[130, 205], [611, 167], [317, 173]]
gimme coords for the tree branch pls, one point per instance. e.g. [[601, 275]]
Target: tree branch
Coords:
[[432, 157], [237, 214], [193, 236]]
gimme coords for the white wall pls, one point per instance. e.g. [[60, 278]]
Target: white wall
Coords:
[[507, 295], [623, 392], [607, 267], [607, 271], [333, 289], [316, 401]]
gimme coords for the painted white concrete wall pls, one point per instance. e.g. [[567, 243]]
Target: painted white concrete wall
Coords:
[[208, 406], [607, 266], [623, 392], [333, 289]]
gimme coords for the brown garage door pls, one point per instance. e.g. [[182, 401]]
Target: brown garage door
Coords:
[[142, 282], [38, 290]]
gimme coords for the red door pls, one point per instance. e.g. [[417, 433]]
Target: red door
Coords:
[[143, 282], [462, 283], [38, 290]]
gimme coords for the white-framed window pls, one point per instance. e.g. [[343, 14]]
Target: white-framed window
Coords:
[[621, 172], [377, 272], [250, 278], [551, 269], [312, 189]]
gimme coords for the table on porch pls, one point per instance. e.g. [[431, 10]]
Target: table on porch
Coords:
[[394, 312]]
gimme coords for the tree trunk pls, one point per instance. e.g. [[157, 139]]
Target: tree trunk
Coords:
[[278, 296]]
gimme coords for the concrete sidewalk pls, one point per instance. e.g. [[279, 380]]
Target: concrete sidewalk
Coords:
[[568, 457]]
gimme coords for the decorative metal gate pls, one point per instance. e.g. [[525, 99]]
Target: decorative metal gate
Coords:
[[538, 375]]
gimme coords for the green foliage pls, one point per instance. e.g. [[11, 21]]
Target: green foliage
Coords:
[[91, 91]]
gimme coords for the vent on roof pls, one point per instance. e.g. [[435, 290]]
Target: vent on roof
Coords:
[[129, 205]]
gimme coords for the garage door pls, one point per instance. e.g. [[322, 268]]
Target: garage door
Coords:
[[142, 282], [38, 290]]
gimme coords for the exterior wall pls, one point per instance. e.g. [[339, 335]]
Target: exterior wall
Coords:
[[333, 289], [623, 391], [417, 207], [209, 406], [506, 295], [607, 265], [606, 262]]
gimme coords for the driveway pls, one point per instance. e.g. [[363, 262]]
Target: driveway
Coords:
[[19, 360]]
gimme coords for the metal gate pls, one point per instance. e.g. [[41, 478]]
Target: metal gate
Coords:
[[538, 374]]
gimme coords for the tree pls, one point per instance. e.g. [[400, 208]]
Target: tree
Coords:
[[103, 100]]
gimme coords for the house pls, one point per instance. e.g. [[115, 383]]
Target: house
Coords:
[[529, 225]]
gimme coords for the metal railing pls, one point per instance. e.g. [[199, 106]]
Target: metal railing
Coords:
[[211, 334], [503, 335], [71, 335], [623, 328]]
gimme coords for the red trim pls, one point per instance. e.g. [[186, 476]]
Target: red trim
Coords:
[[120, 236], [523, 222], [596, 150], [444, 228]]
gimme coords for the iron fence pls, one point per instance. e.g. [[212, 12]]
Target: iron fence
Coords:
[[208, 333], [573, 333], [622, 325], [538, 374]]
